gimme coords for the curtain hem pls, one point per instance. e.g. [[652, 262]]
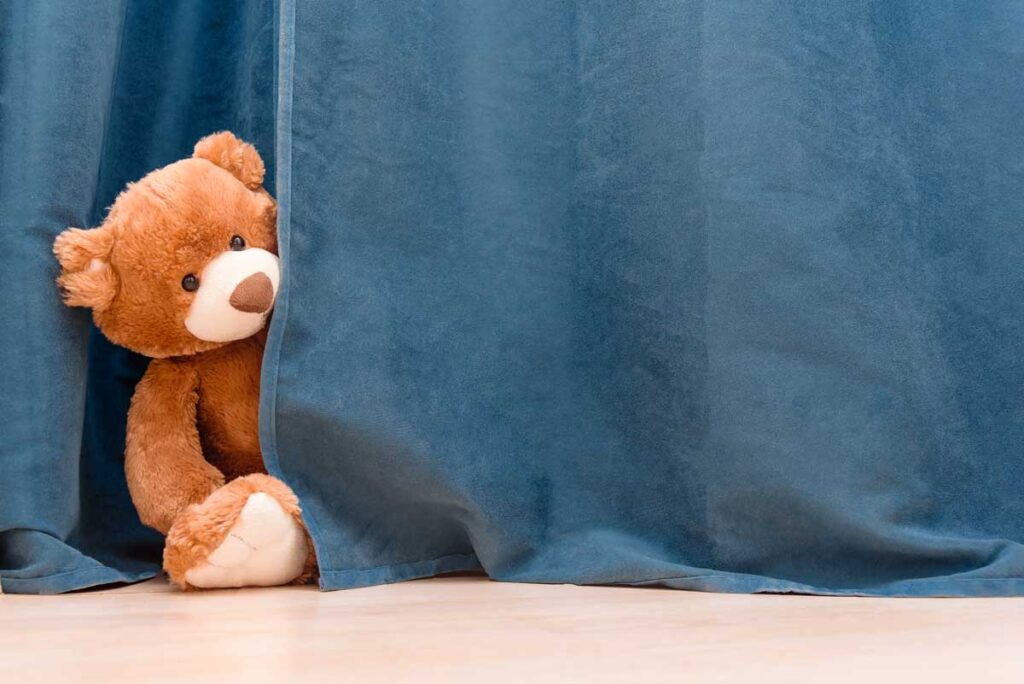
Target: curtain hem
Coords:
[[331, 580], [74, 580]]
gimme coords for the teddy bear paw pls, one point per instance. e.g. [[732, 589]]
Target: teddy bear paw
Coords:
[[265, 547]]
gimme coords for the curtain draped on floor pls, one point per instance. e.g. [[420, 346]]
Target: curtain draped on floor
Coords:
[[716, 295]]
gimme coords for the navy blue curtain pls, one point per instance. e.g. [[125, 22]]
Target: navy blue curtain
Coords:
[[715, 295]]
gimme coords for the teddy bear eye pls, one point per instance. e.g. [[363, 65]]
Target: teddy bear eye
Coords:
[[237, 243], [190, 283]]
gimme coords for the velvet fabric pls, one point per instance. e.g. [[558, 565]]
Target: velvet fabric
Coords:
[[93, 96], [714, 295]]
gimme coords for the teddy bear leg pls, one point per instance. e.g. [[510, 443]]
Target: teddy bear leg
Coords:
[[247, 533]]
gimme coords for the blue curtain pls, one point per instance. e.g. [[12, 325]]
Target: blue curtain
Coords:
[[714, 295], [92, 96]]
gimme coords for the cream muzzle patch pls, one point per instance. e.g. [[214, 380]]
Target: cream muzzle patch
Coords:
[[236, 292]]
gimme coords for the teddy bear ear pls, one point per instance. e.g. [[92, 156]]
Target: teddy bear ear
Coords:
[[86, 278], [234, 155]]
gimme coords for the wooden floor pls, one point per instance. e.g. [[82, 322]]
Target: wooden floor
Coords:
[[467, 629]]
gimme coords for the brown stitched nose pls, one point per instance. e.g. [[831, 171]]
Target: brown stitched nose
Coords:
[[255, 294]]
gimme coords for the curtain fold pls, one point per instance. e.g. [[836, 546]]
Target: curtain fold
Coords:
[[721, 296], [713, 295], [94, 95]]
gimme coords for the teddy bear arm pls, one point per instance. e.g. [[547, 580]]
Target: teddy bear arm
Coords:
[[164, 462]]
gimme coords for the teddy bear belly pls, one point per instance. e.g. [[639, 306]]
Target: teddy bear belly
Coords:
[[231, 442], [237, 463], [229, 405]]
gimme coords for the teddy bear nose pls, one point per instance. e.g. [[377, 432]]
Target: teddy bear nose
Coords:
[[255, 294]]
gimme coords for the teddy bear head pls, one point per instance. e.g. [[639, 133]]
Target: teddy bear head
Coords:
[[185, 260]]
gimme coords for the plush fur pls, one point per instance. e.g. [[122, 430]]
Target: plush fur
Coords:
[[201, 528], [169, 224], [192, 455]]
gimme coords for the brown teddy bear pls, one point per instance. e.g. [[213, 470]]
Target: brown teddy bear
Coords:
[[184, 270]]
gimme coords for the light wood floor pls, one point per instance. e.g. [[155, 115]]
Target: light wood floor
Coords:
[[469, 629]]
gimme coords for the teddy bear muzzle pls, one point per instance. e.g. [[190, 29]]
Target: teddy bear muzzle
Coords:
[[236, 292]]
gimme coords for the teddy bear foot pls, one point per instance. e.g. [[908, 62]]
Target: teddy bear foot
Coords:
[[241, 536], [266, 547]]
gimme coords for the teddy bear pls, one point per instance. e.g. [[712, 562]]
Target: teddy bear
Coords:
[[184, 270]]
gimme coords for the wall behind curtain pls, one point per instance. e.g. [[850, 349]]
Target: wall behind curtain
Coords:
[[94, 95]]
